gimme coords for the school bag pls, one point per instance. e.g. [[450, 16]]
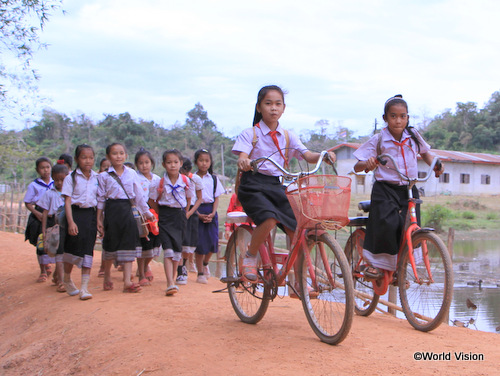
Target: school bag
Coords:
[[54, 236]]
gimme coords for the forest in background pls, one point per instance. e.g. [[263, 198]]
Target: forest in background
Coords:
[[467, 128]]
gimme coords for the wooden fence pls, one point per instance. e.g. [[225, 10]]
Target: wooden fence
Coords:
[[13, 212]]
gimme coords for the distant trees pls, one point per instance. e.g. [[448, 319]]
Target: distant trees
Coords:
[[468, 129]]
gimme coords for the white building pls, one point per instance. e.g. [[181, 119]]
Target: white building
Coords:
[[465, 173]]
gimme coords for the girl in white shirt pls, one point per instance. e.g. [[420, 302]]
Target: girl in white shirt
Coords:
[[80, 201], [389, 198], [145, 163], [170, 197], [118, 188]]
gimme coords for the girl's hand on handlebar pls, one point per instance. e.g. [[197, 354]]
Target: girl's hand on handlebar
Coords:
[[244, 164], [438, 169], [332, 158], [371, 164]]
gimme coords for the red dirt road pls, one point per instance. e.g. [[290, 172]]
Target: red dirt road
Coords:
[[196, 332]]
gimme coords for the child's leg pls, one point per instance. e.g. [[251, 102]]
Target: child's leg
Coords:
[[84, 290], [107, 283], [127, 274], [169, 270], [70, 287], [260, 234], [141, 270]]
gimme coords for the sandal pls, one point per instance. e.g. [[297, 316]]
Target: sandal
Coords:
[[172, 290], [42, 278], [144, 282], [133, 288], [373, 272], [61, 288], [100, 274], [107, 286], [248, 268]]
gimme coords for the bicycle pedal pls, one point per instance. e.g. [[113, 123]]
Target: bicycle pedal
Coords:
[[229, 279]]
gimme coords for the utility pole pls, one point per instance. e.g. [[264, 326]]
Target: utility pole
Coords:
[[222, 157]]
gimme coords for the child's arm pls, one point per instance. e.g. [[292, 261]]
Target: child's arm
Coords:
[[244, 163], [45, 214], [312, 157], [211, 216], [196, 205], [100, 225], [428, 158], [31, 208], [370, 164], [72, 227]]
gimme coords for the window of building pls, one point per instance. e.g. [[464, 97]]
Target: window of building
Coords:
[[421, 174], [444, 178], [360, 179], [465, 178], [485, 179]]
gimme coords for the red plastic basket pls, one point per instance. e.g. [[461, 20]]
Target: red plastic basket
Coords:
[[320, 200]]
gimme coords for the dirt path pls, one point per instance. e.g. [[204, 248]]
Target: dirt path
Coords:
[[196, 332]]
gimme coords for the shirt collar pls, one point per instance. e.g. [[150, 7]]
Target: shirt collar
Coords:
[[388, 136], [265, 129]]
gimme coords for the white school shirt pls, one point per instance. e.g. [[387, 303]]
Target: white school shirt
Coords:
[[51, 200], [265, 147], [36, 189], [196, 184], [207, 194], [388, 146], [84, 192], [109, 188], [179, 189], [146, 184]]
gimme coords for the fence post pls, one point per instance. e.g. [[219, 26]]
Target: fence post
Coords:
[[451, 240], [393, 298]]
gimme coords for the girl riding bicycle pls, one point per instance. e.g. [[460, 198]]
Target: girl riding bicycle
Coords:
[[389, 194], [262, 195]]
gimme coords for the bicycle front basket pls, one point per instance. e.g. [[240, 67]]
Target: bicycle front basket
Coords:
[[320, 200]]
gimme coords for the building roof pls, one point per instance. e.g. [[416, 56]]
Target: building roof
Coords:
[[445, 155]]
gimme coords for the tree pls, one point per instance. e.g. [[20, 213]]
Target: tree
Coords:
[[21, 22]]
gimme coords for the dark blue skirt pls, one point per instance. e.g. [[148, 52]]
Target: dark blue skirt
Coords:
[[208, 233]]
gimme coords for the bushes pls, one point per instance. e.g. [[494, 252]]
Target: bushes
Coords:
[[435, 216]]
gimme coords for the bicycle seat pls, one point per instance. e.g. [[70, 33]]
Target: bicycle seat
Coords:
[[357, 221], [364, 205], [237, 217]]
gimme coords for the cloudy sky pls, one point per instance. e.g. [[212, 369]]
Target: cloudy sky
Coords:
[[338, 60]]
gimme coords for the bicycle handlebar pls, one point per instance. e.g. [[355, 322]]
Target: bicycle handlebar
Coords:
[[435, 162], [288, 174]]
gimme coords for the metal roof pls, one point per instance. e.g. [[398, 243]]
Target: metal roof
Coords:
[[445, 155]]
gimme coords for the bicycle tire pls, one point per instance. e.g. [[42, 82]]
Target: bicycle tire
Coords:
[[249, 300], [364, 305], [426, 304], [330, 313]]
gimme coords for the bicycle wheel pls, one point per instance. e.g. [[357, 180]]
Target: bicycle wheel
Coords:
[[326, 289], [249, 300], [426, 303], [365, 299]]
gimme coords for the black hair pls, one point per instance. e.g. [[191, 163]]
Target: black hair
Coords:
[[187, 165], [129, 165], [395, 100], [78, 152], [101, 162], [41, 160], [260, 97], [172, 151], [109, 147], [66, 158], [142, 152], [205, 151], [60, 169]]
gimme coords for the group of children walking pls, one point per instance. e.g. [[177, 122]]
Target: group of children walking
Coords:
[[187, 203], [87, 203]]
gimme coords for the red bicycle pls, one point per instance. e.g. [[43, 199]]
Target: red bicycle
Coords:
[[320, 202], [424, 273]]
